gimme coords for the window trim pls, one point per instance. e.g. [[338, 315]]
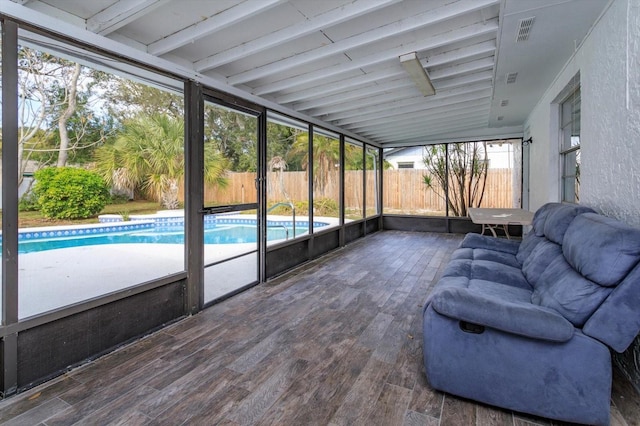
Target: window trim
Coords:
[[566, 149]]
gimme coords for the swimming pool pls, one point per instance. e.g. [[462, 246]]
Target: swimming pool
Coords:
[[227, 230]]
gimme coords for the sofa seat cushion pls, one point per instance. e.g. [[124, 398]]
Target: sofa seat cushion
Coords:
[[601, 248], [561, 288], [477, 241], [505, 310], [486, 270], [486, 254]]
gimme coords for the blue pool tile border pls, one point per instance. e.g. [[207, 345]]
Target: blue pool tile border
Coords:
[[110, 225]]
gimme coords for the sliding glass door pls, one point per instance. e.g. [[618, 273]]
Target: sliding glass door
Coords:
[[230, 207]]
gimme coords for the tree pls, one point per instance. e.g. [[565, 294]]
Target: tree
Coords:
[[326, 154], [148, 155], [467, 173], [128, 99], [53, 107], [235, 136]]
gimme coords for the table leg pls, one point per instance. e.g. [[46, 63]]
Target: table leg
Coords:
[[486, 226]]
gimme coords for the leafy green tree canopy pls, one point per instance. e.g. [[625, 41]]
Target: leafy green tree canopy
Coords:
[[148, 156]]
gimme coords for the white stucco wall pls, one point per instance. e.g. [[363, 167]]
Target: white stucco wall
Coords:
[[609, 65]]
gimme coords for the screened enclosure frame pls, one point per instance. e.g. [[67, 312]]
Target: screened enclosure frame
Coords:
[[169, 297]]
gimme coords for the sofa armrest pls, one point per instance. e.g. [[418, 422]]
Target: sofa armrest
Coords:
[[524, 319], [477, 241]]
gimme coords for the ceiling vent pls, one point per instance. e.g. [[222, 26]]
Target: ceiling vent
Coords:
[[511, 77], [524, 29], [504, 102]]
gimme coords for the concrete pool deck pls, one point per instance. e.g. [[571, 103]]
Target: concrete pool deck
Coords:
[[53, 279], [56, 278]]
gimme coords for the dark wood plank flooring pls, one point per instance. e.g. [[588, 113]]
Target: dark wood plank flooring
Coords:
[[335, 342]]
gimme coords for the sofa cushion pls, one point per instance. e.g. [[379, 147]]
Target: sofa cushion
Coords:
[[486, 270], [561, 288], [485, 254], [475, 241], [502, 312], [502, 291], [539, 259], [529, 242], [540, 217], [559, 219], [617, 321], [602, 249]]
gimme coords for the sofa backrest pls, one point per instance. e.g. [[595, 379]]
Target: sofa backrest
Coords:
[[559, 219], [536, 235], [601, 249], [550, 222], [594, 281], [607, 253]]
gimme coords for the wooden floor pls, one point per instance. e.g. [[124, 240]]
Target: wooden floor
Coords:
[[336, 342]]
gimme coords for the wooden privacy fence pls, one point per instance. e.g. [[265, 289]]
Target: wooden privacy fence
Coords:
[[404, 189]]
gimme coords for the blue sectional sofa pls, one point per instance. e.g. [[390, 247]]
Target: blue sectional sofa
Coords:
[[529, 325]]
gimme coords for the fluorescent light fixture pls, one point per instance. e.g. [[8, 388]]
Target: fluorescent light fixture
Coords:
[[418, 74]]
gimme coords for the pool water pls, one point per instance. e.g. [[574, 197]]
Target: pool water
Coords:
[[232, 234]]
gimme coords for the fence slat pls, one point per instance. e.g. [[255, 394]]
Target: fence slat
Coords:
[[404, 190]]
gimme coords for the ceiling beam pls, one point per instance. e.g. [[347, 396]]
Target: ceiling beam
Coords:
[[428, 129], [378, 87], [391, 88], [411, 111], [212, 24], [120, 14], [462, 135], [441, 112], [463, 68], [336, 87], [392, 127], [359, 93], [390, 55], [425, 138], [424, 127], [390, 30], [409, 93], [487, 47], [401, 103], [308, 26]]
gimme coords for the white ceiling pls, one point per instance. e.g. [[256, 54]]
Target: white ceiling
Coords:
[[336, 61]]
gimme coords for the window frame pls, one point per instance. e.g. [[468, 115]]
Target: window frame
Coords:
[[569, 150]]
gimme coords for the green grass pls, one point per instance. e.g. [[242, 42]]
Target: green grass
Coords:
[[34, 219]]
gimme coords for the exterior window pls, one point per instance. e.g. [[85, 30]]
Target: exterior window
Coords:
[[117, 145], [326, 178], [405, 165], [570, 147], [372, 183], [476, 174], [353, 180], [287, 177]]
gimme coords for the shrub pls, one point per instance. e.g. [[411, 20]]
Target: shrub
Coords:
[[28, 202], [325, 207], [69, 193], [321, 207]]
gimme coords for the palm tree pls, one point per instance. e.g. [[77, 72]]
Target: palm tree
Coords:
[[149, 155], [326, 155]]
